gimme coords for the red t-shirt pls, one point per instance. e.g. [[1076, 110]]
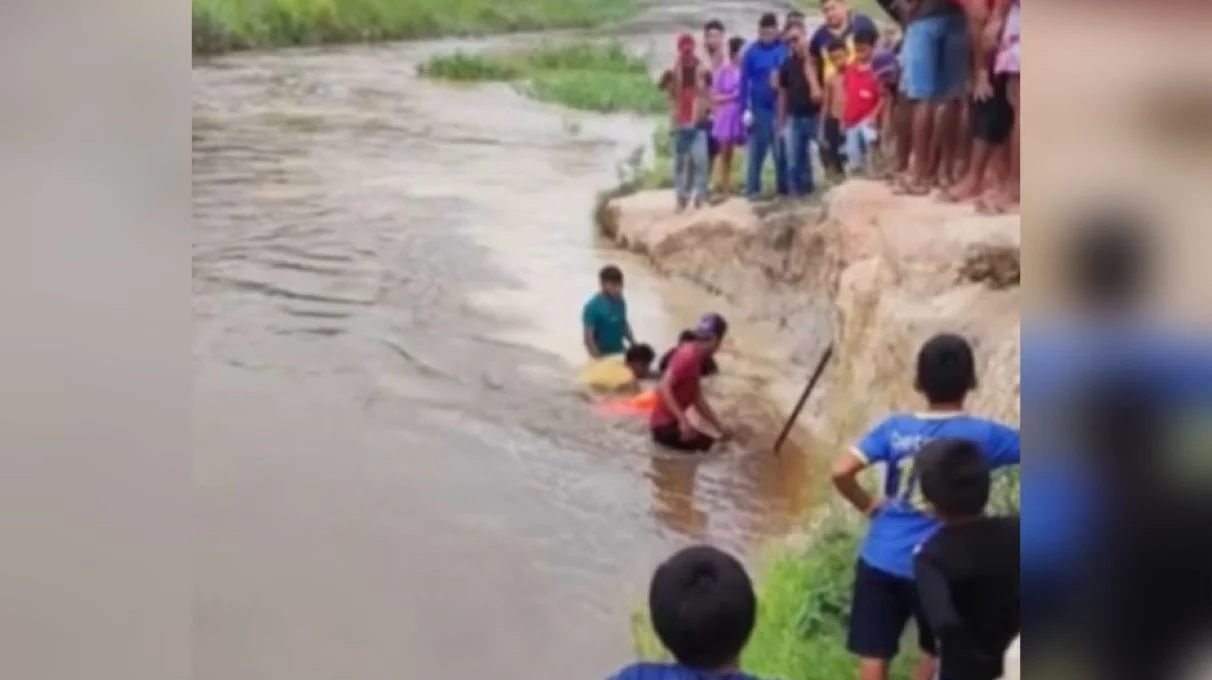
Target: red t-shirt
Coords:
[[684, 370], [862, 88]]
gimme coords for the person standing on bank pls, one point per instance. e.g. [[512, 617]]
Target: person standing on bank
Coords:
[[688, 106], [799, 108], [716, 56], [758, 99]]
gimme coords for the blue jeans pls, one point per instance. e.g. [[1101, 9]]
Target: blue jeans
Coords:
[[935, 58], [801, 130], [690, 161], [860, 139], [764, 139]]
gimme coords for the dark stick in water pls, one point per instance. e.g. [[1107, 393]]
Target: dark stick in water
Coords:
[[795, 413]]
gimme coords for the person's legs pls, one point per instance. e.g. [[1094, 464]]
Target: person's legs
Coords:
[[779, 151], [927, 663], [880, 609], [682, 139], [1007, 197], [724, 168], [760, 137], [699, 166], [955, 64], [799, 134], [670, 437], [855, 151], [922, 86], [902, 122], [992, 121]]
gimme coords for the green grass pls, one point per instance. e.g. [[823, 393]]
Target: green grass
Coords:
[[225, 25], [589, 76], [803, 598]]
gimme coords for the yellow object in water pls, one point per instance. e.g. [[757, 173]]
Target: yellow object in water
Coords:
[[608, 373]]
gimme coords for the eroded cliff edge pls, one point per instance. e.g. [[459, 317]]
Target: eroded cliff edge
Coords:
[[872, 272]]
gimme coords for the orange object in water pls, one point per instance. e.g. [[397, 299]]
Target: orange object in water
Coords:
[[640, 404]]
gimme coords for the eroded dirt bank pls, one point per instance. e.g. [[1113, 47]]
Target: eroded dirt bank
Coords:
[[872, 272]]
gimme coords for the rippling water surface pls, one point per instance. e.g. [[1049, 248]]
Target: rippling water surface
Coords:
[[395, 475]]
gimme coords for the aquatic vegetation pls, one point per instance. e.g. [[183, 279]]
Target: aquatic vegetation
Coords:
[[225, 25], [589, 76]]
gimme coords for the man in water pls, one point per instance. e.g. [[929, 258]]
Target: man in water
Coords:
[[680, 390], [605, 316]]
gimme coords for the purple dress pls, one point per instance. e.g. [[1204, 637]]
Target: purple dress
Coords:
[[727, 126]]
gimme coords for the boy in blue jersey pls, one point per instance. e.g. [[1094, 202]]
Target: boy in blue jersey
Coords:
[[604, 317], [758, 98], [885, 597], [703, 609]]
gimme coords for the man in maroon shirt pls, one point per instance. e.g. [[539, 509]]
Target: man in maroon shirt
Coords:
[[680, 390]]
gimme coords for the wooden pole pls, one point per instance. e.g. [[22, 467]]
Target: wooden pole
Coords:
[[795, 413]]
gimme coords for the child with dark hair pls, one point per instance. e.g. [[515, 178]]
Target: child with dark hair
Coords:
[[885, 596], [703, 609], [968, 572], [863, 104]]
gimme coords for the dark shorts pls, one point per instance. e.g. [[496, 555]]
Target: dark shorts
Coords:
[[670, 437], [883, 605], [993, 118]]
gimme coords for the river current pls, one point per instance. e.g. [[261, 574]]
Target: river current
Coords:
[[395, 473]]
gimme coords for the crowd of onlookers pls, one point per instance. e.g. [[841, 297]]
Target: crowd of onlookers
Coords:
[[928, 101]]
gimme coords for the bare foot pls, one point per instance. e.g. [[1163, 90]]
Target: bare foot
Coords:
[[964, 191], [998, 203], [910, 187]]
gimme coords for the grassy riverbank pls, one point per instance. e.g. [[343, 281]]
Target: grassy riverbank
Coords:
[[225, 25], [804, 595], [588, 76]]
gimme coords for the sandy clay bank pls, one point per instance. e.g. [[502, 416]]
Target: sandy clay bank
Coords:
[[871, 272]]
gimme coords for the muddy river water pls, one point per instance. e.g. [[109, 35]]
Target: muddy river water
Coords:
[[395, 475]]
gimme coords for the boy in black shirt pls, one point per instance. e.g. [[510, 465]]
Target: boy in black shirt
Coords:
[[968, 572]]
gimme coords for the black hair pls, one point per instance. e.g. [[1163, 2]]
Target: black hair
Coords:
[[794, 18], [954, 477], [610, 274], [836, 44], [713, 25], [687, 335], [735, 44], [866, 36], [1108, 260], [946, 369], [703, 607], [768, 20], [640, 352]]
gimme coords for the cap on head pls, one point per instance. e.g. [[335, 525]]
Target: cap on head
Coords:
[[711, 326]]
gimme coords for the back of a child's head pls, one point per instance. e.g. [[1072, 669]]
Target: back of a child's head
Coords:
[[954, 477], [946, 369], [703, 607], [836, 45], [641, 353]]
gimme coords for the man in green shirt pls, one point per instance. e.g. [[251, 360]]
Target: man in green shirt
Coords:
[[605, 316]]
